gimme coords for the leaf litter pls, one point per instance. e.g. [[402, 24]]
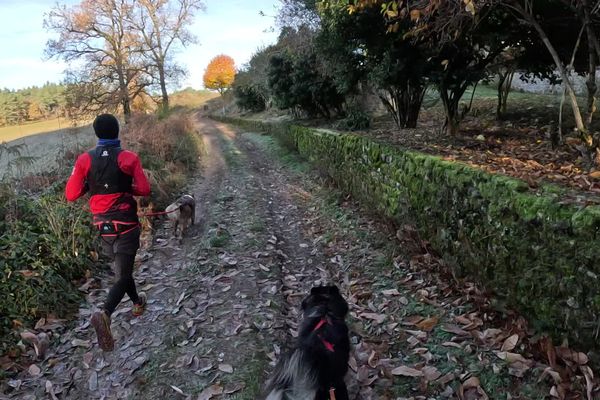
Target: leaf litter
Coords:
[[415, 332]]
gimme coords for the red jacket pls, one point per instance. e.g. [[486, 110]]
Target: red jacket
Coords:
[[129, 163]]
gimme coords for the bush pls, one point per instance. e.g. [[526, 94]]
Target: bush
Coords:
[[45, 245], [355, 120], [297, 84], [169, 150], [247, 98]]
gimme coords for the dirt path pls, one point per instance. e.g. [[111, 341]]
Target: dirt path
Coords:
[[224, 303]]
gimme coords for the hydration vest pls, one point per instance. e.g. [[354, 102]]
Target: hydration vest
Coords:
[[105, 176]]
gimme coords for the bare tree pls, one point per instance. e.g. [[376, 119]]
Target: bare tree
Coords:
[[104, 55], [162, 25]]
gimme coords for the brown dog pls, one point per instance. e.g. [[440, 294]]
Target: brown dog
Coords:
[[182, 213]]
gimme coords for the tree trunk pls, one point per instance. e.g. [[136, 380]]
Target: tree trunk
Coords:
[[163, 88], [504, 85], [592, 64], [415, 102], [579, 123], [451, 102], [404, 104]]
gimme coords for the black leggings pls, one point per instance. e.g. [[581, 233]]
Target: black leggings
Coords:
[[124, 282]]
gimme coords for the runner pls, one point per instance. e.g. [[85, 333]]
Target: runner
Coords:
[[112, 176]]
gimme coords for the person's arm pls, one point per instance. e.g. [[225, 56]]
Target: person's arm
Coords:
[[141, 186], [76, 185]]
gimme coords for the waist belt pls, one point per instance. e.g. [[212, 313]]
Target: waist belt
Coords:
[[115, 228]]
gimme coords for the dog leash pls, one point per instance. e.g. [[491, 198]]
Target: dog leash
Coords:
[[329, 346], [154, 214], [332, 393]]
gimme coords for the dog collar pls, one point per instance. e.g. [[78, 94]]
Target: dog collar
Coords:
[[328, 345]]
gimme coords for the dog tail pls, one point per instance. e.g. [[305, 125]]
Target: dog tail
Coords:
[[293, 379], [276, 394]]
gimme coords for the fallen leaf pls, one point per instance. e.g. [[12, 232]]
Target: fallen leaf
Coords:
[[93, 381], [549, 371], [570, 355], [226, 368], [175, 388], [80, 343], [15, 383], [378, 318], [236, 387], [406, 371], [510, 343], [431, 373], [471, 389], [518, 369], [589, 380], [451, 328], [512, 357], [50, 390], [391, 292], [210, 392], [595, 175], [372, 361], [428, 324], [34, 370]]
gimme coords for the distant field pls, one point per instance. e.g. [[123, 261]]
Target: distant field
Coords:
[[45, 151], [191, 98], [44, 144], [10, 133]]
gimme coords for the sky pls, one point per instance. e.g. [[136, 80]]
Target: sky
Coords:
[[232, 27]]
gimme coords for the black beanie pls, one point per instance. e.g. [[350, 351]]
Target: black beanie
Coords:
[[106, 126]]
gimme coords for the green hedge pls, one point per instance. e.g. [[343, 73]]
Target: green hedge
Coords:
[[538, 255]]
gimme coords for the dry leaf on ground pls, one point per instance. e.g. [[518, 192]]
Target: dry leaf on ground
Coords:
[[406, 371], [210, 392]]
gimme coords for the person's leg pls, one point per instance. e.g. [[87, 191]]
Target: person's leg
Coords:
[[124, 283], [100, 320], [126, 248]]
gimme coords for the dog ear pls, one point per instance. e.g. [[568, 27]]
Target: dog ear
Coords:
[[304, 303], [333, 289]]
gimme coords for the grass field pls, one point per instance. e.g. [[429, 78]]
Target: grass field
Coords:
[[44, 151], [43, 144], [10, 133], [191, 98]]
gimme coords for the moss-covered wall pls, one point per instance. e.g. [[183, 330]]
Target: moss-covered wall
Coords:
[[540, 256]]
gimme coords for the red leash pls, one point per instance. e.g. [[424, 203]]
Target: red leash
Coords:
[[329, 346], [153, 214]]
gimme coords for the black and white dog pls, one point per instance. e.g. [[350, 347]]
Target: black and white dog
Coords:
[[315, 368]]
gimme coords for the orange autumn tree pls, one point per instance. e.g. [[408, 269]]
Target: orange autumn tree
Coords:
[[219, 74]]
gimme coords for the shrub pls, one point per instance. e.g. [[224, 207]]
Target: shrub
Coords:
[[298, 84], [355, 120], [248, 98], [45, 245], [169, 149]]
